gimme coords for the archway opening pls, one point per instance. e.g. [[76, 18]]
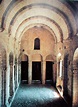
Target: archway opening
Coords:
[[49, 69], [36, 71], [49, 72], [24, 68], [36, 68]]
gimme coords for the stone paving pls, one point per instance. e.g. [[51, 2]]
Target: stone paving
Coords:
[[38, 96]]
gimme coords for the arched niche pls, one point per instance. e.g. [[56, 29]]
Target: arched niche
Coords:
[[36, 57], [24, 57], [3, 67], [75, 78], [49, 58]]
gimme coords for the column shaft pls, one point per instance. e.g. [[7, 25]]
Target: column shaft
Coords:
[[30, 72], [43, 72]]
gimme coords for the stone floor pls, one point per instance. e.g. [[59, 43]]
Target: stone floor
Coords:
[[38, 96]]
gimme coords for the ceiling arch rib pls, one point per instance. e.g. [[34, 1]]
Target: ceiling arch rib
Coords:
[[38, 21], [24, 9], [58, 4], [34, 12], [7, 11], [40, 6]]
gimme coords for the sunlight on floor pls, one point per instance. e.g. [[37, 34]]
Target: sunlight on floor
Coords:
[[37, 96]]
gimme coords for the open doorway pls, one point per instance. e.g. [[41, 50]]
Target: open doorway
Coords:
[[24, 71], [49, 72], [36, 71]]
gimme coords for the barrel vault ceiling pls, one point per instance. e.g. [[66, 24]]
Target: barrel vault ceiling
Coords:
[[55, 15]]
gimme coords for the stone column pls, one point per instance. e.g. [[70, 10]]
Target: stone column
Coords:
[[60, 74], [75, 85], [0, 78], [7, 80], [17, 74], [54, 73], [11, 79], [30, 72], [43, 71], [57, 81]]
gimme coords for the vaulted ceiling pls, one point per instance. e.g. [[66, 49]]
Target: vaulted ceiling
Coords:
[[59, 17]]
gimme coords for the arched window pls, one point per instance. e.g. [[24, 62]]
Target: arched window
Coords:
[[0, 1], [37, 44]]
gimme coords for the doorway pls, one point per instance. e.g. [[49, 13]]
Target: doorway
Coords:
[[24, 71], [36, 71], [49, 72]]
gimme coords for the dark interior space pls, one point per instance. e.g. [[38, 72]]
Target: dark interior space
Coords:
[[0, 1], [36, 71], [66, 63], [24, 71], [49, 72]]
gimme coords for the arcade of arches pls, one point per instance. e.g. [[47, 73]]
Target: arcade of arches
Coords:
[[39, 43]]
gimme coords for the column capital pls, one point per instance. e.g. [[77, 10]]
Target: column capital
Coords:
[[43, 61]]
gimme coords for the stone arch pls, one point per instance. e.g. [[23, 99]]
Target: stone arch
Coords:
[[11, 75], [75, 78], [36, 57], [3, 68], [49, 58], [24, 57]]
